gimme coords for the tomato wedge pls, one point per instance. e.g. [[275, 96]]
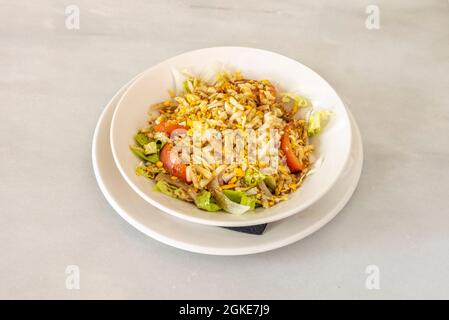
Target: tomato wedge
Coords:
[[293, 162], [168, 127], [172, 163]]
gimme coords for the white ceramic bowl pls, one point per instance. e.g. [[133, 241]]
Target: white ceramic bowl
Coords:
[[334, 143]]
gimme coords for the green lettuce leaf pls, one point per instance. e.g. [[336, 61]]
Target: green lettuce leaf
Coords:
[[151, 148], [204, 201], [317, 121], [141, 139], [233, 195], [140, 152], [249, 201], [171, 190], [299, 101], [228, 205], [149, 172], [161, 139], [241, 198]]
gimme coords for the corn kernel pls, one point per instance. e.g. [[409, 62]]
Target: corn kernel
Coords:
[[159, 164], [228, 186], [239, 172]]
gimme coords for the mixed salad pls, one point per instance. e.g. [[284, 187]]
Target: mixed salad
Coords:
[[231, 103]]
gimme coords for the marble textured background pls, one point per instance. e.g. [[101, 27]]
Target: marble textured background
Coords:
[[54, 83]]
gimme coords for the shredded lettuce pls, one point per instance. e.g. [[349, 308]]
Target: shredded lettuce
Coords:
[[235, 196], [248, 201], [153, 158], [178, 79], [140, 152], [161, 139], [148, 150], [298, 101], [241, 198], [188, 85], [204, 201], [141, 139], [228, 205], [317, 121], [151, 148], [149, 172], [171, 191]]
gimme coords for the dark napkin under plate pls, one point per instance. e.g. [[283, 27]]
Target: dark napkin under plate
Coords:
[[257, 229]]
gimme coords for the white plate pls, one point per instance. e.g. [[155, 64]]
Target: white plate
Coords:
[[333, 144], [208, 239]]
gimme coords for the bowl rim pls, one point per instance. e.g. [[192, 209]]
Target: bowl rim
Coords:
[[236, 223]]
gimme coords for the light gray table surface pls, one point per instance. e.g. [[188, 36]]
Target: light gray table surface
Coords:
[[54, 83]]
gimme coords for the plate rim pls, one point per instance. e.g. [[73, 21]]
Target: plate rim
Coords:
[[235, 223], [357, 165]]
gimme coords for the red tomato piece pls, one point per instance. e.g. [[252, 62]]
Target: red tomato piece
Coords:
[[293, 162], [168, 127], [172, 163]]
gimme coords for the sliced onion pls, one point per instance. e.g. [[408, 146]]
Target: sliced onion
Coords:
[[265, 191]]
